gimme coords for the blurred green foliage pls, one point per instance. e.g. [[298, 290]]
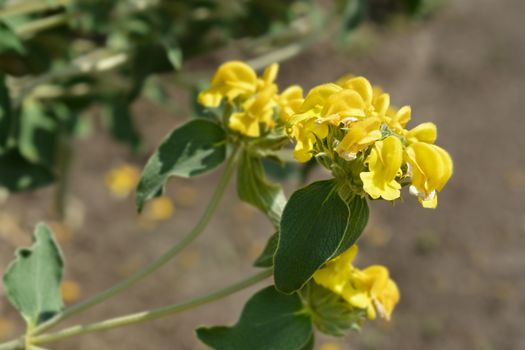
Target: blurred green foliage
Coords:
[[60, 58]]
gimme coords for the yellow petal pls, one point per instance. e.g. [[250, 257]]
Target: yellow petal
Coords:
[[425, 132], [362, 86], [270, 73]]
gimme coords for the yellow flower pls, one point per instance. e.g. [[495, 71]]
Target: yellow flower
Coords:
[[425, 132], [397, 120], [159, 209], [359, 136], [316, 99], [305, 133], [370, 289], [375, 102], [70, 290], [431, 168], [233, 79], [384, 163], [268, 77], [290, 100], [257, 109], [373, 290], [122, 180], [337, 272]]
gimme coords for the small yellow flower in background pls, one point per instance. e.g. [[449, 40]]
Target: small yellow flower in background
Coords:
[[159, 209], [331, 346], [121, 181], [431, 168], [70, 291], [232, 79], [370, 289], [384, 162], [6, 328]]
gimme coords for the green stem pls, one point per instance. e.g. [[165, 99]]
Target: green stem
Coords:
[[64, 159], [28, 7], [152, 314], [155, 265], [17, 344]]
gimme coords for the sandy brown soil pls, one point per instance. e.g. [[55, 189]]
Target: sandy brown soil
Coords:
[[461, 268]]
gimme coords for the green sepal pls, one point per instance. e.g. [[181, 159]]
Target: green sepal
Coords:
[[269, 320], [255, 189], [192, 149], [331, 314], [32, 280], [313, 226], [266, 257]]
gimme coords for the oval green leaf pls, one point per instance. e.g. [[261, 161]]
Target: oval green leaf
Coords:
[[194, 148], [313, 226], [358, 219], [270, 320], [32, 280]]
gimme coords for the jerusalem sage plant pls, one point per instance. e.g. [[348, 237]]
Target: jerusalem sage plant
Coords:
[[350, 128]]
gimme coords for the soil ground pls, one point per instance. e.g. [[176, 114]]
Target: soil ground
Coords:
[[460, 268]]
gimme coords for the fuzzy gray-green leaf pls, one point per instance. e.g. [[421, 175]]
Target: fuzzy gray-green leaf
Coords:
[[32, 280]]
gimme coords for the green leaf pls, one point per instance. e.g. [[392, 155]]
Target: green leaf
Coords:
[[413, 6], [5, 114], [175, 56], [32, 280], [270, 320], [358, 219], [310, 344], [9, 41], [266, 257], [313, 226], [118, 120], [331, 314], [18, 174], [192, 149], [38, 134], [254, 188], [354, 13]]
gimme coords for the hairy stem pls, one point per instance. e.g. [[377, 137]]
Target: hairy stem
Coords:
[[159, 262], [151, 314]]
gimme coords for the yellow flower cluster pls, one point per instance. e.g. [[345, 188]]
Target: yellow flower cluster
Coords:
[[346, 123], [370, 289], [352, 120], [254, 99]]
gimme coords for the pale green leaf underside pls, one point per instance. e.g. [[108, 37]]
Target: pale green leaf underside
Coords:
[[32, 280]]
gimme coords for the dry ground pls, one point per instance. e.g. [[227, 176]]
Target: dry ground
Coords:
[[461, 268]]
